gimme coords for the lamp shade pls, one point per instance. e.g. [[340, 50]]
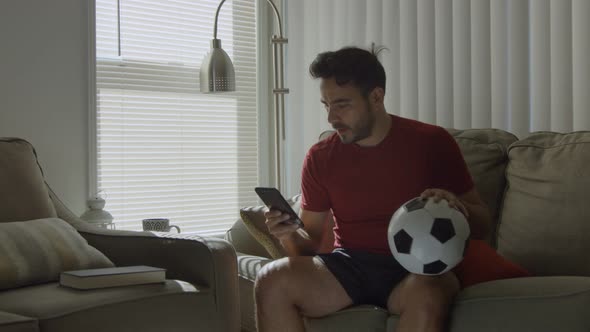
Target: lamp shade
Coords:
[[217, 70]]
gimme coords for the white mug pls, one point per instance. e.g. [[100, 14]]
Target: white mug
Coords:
[[158, 225]]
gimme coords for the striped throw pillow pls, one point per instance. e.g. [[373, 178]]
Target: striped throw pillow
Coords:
[[253, 218], [36, 251]]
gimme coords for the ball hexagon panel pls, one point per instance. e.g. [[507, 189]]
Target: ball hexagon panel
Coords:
[[428, 250], [415, 223], [450, 253], [460, 224], [438, 210], [410, 263]]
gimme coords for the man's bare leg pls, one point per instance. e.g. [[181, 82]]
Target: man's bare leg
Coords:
[[291, 287], [423, 302]]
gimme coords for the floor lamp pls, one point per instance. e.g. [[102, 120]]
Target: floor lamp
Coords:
[[218, 75]]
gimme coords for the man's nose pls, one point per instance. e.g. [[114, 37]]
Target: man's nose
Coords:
[[332, 116]]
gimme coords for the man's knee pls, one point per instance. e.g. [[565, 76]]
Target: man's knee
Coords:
[[435, 294], [429, 295], [271, 280]]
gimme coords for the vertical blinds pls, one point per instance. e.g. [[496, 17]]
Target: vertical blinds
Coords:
[[516, 65], [163, 148]]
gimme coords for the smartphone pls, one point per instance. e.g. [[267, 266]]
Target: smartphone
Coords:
[[275, 201]]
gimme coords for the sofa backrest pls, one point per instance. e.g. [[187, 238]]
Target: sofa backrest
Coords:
[[485, 152], [23, 192], [545, 220]]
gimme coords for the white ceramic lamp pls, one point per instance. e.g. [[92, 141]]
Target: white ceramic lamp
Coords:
[[96, 214]]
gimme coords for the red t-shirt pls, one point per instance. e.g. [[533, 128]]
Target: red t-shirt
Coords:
[[364, 186]]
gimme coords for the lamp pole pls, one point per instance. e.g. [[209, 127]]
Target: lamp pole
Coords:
[[279, 92], [217, 77]]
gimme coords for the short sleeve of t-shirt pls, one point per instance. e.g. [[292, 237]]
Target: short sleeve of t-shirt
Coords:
[[450, 170], [314, 196]]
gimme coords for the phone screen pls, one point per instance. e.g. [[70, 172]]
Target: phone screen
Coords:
[[273, 199]]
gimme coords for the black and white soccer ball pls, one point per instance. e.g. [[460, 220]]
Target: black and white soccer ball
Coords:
[[428, 238]]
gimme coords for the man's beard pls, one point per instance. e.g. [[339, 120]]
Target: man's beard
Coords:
[[360, 130]]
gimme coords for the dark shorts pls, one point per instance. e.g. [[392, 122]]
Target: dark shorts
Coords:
[[368, 278]]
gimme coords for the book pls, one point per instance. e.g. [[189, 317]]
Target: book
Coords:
[[112, 277]]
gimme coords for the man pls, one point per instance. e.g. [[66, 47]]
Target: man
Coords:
[[362, 174]]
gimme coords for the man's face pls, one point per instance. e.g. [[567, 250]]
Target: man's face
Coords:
[[349, 113]]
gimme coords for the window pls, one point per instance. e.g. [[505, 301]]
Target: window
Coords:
[[163, 148]]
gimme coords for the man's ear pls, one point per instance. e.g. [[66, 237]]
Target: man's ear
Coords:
[[377, 95]]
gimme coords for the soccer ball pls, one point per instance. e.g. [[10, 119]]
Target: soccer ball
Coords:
[[428, 238]]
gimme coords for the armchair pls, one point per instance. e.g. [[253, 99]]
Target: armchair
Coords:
[[200, 293]]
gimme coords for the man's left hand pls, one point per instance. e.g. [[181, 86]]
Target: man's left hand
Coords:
[[438, 194]]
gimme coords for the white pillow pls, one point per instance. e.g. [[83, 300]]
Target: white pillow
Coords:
[[36, 251]]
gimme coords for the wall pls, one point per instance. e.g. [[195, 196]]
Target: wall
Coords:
[[44, 88]]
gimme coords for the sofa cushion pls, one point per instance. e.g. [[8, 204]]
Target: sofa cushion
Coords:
[[248, 267], [253, 218], [545, 221], [527, 304], [37, 251], [171, 306], [15, 323], [23, 193], [485, 152], [357, 318], [243, 241], [540, 304]]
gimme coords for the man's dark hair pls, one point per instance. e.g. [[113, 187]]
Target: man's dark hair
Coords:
[[350, 65]]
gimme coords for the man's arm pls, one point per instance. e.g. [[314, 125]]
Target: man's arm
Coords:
[[471, 205], [479, 217], [298, 242]]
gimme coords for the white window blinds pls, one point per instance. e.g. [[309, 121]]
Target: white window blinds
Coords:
[[163, 148]]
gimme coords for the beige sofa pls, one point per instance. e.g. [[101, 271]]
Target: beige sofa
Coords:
[[538, 190], [200, 294]]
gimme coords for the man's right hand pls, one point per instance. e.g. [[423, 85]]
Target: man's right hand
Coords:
[[279, 225]]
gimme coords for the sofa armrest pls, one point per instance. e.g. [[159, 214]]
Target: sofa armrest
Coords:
[[195, 259], [204, 261]]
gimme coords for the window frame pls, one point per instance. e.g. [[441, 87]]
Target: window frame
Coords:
[[263, 94]]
